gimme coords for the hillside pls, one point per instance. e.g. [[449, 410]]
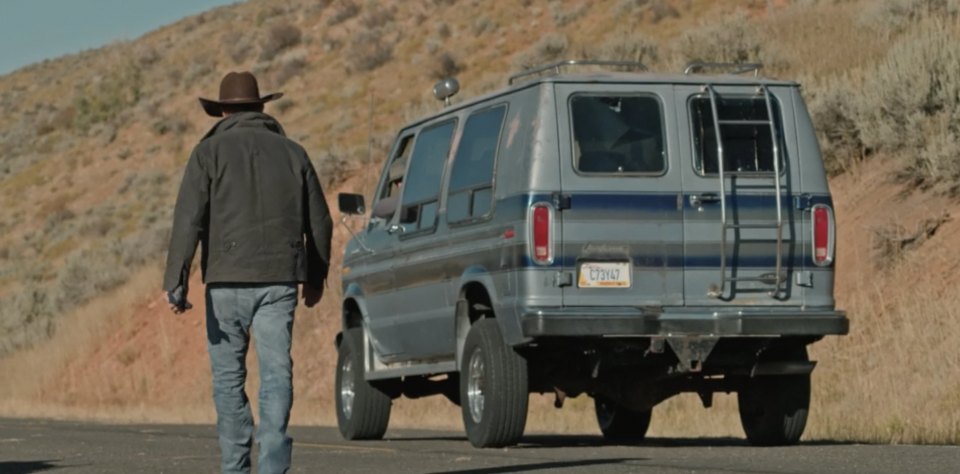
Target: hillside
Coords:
[[94, 145]]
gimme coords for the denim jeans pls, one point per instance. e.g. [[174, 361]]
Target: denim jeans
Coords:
[[233, 312]]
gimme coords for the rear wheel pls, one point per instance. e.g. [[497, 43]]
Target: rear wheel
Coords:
[[773, 409], [493, 388], [363, 411], [619, 423]]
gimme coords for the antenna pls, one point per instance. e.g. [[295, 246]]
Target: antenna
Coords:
[[370, 138]]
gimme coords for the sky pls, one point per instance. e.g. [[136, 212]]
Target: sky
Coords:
[[34, 30]]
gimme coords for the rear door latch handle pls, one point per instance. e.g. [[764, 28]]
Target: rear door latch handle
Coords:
[[698, 200]]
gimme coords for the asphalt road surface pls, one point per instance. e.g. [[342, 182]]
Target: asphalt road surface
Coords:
[[32, 446]]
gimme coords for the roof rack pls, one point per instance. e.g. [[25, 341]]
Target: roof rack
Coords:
[[728, 68], [555, 67]]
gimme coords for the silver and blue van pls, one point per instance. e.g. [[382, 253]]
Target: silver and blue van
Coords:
[[620, 234]]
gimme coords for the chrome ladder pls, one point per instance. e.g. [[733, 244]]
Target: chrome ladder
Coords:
[[718, 291]]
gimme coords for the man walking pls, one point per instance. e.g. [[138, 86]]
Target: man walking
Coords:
[[251, 198]]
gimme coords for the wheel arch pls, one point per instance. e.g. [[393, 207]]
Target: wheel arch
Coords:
[[353, 310], [475, 301]]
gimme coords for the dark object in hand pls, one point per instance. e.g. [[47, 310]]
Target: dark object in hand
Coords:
[[178, 297], [312, 294]]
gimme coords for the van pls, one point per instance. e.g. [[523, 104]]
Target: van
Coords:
[[620, 234]]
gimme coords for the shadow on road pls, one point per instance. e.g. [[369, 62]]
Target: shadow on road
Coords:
[[548, 441], [26, 467], [543, 466], [566, 441]]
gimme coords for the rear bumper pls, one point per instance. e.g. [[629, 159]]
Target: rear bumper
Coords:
[[769, 322]]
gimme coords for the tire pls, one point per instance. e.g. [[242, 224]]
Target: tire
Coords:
[[619, 423], [773, 409], [363, 411], [493, 388]]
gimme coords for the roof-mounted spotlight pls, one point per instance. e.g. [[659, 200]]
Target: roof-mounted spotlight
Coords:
[[446, 89]]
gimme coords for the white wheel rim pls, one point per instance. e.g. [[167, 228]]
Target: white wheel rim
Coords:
[[346, 388], [475, 385]]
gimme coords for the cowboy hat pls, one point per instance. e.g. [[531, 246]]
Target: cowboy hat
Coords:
[[237, 88]]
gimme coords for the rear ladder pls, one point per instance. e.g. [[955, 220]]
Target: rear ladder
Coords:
[[718, 290]]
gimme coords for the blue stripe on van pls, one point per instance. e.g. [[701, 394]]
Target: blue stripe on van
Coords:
[[649, 205], [676, 261], [655, 202]]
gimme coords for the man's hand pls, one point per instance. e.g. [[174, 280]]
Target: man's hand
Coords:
[[177, 301], [311, 295]]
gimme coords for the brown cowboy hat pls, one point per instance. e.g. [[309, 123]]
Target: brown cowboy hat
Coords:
[[237, 88]]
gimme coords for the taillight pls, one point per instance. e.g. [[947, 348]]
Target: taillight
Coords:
[[823, 235], [541, 233]]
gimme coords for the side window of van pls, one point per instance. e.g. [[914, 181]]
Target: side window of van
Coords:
[[617, 135], [421, 194], [744, 128], [388, 197], [470, 192]]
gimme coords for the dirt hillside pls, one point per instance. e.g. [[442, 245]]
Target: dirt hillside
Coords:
[[94, 145]]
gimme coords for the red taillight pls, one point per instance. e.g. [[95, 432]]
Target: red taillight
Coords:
[[823, 235], [542, 244]]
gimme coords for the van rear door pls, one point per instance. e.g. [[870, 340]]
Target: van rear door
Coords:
[[739, 173], [620, 239]]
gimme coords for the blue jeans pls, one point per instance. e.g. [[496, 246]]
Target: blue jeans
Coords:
[[232, 311]]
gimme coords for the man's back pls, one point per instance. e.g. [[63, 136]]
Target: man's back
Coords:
[[261, 196]]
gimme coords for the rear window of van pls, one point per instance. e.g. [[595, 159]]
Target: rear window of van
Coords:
[[617, 134]]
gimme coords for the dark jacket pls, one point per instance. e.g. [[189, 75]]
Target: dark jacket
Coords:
[[251, 198]]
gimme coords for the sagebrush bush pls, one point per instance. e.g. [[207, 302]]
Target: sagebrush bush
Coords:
[[367, 51], [549, 49], [281, 36], [335, 165], [564, 16], [909, 101], [291, 66], [481, 25], [28, 315], [833, 109], [170, 124], [891, 242], [268, 12], [103, 100], [377, 16], [237, 45], [734, 39], [894, 16], [345, 10], [654, 10], [626, 45], [446, 65], [284, 105]]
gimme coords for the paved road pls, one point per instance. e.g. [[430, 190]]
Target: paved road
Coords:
[[29, 446]]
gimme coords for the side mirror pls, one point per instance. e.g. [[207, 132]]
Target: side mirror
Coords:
[[351, 203]]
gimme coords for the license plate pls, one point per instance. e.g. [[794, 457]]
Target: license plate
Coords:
[[604, 275]]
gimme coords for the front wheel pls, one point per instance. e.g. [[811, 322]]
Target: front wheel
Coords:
[[493, 388], [619, 423], [773, 409], [363, 411]]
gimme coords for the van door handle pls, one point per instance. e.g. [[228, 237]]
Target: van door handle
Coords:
[[395, 228], [698, 200]]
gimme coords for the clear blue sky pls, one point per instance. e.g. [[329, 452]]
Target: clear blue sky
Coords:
[[34, 30]]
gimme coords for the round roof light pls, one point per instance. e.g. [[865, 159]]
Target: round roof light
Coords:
[[446, 89]]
